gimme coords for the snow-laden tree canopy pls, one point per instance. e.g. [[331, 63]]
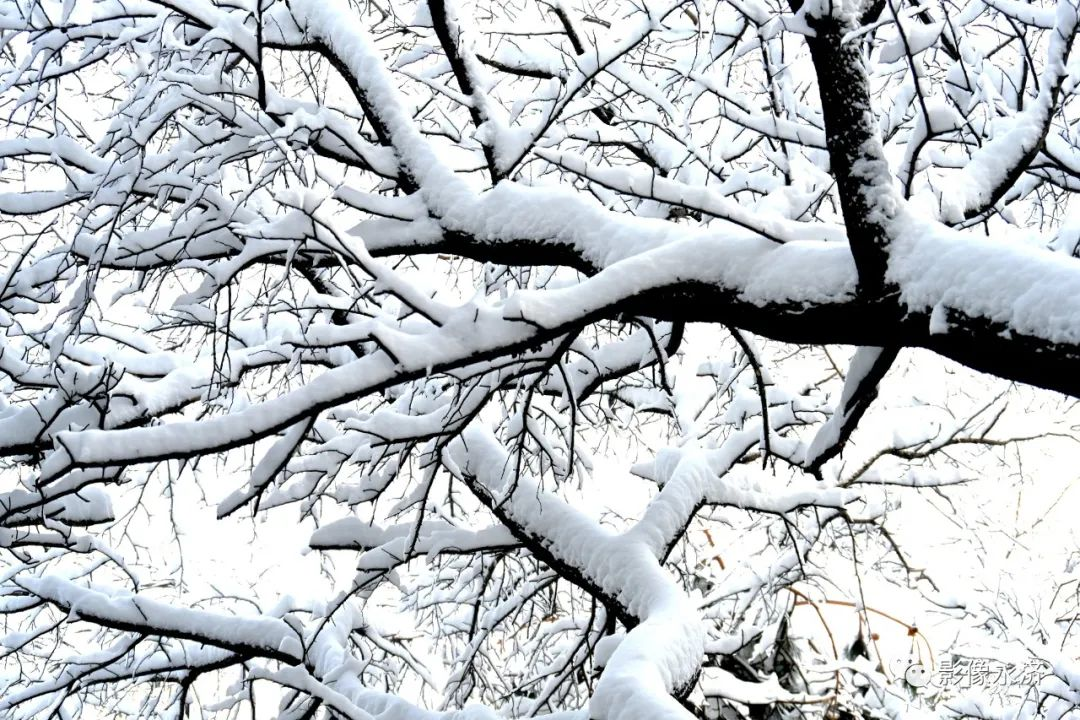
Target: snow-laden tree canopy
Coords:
[[521, 319]]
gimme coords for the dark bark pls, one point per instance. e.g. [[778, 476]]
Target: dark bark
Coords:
[[855, 154]]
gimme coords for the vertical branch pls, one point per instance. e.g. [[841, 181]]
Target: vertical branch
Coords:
[[857, 159], [449, 33]]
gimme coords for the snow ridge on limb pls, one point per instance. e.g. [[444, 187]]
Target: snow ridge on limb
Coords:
[[267, 469], [260, 636], [996, 166], [469, 335], [433, 538], [660, 657], [662, 654], [690, 479]]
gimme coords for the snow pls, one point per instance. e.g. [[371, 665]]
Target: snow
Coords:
[[1028, 290], [1041, 17], [662, 652], [128, 611], [431, 538], [753, 269], [697, 197], [720, 683], [216, 214], [267, 468], [691, 479], [991, 164], [829, 434], [468, 332], [916, 37]]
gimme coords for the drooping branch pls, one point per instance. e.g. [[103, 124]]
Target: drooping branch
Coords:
[[867, 369]]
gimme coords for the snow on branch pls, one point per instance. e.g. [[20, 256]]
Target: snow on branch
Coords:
[[496, 341], [261, 636]]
